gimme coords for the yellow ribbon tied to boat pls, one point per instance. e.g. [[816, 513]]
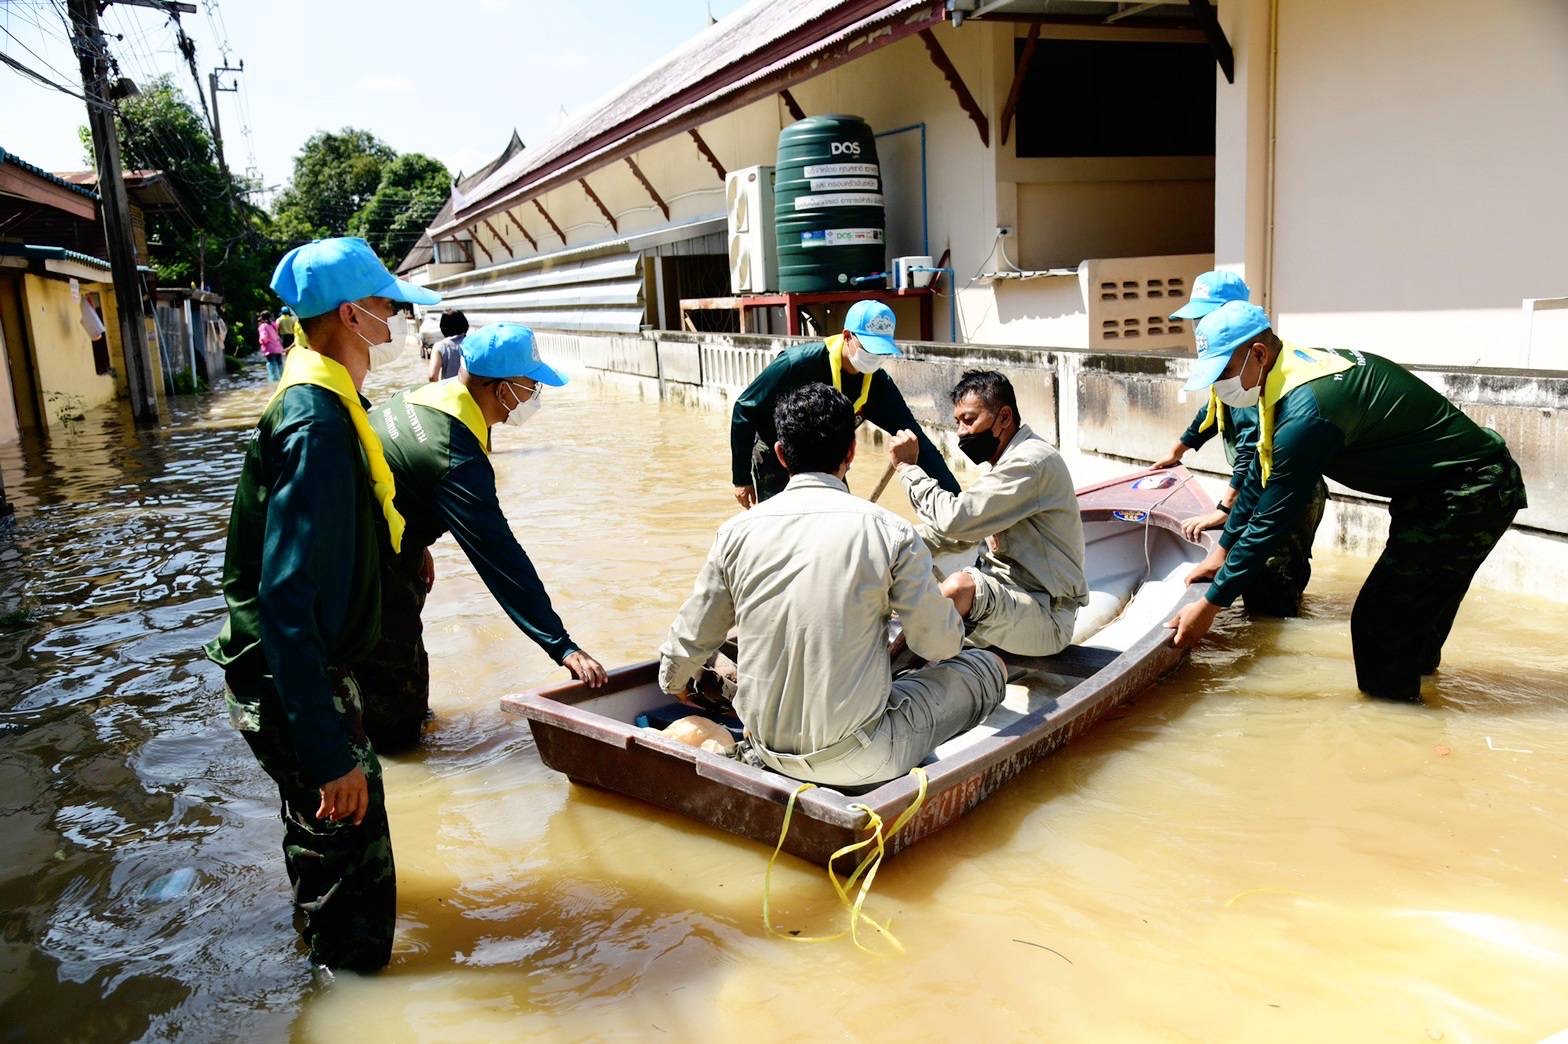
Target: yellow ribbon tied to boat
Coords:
[[865, 872], [453, 398], [1294, 367], [306, 366], [835, 345]]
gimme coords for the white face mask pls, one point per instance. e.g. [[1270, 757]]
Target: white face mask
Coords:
[[864, 362], [1231, 392], [386, 352], [523, 411]]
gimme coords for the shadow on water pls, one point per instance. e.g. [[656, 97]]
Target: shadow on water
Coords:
[[129, 815]]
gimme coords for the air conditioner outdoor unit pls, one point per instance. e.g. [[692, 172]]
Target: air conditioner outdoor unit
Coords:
[[748, 199]]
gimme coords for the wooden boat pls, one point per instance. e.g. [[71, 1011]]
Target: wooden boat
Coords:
[[1136, 564]]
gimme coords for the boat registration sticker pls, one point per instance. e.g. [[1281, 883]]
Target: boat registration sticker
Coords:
[[1131, 516], [1155, 482]]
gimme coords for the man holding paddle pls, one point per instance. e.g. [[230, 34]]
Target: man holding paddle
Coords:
[[850, 363], [1024, 592]]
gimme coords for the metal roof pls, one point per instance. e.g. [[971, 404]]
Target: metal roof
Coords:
[[708, 75], [37, 171], [36, 252]]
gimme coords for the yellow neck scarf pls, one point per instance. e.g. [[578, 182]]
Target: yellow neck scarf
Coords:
[[1215, 414], [304, 366], [835, 346], [453, 398], [1294, 367]]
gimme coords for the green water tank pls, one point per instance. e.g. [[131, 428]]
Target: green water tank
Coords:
[[827, 198]]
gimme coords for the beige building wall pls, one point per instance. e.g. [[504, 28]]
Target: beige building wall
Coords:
[[66, 374], [1063, 211], [1419, 180]]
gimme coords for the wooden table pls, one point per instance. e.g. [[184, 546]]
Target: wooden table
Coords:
[[792, 303]]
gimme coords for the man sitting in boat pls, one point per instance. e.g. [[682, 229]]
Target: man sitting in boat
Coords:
[[811, 576], [1024, 592], [852, 363]]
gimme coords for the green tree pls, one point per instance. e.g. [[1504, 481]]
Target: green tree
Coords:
[[413, 187], [211, 231], [334, 176]]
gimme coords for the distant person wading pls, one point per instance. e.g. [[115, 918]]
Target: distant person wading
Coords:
[[446, 358]]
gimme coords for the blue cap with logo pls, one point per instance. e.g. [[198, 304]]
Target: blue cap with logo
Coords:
[[1219, 334], [507, 350], [315, 278], [872, 324], [1209, 291]]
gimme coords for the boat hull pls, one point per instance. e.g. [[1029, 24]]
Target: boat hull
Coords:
[[589, 735]]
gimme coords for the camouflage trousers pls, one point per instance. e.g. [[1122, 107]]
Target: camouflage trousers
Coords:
[[1288, 568], [1437, 539], [395, 678], [344, 880]]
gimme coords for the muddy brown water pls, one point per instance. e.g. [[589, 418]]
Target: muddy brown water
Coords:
[[1249, 851]]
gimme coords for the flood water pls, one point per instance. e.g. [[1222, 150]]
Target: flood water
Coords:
[[1250, 851]]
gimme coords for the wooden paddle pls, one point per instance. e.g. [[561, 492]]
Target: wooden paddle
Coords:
[[887, 476]]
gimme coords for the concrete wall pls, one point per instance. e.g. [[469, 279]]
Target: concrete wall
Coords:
[[1113, 411], [66, 373], [1419, 185]]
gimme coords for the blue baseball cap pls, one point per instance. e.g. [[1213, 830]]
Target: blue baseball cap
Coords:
[[872, 324], [1209, 291], [507, 350], [1219, 334], [315, 278]]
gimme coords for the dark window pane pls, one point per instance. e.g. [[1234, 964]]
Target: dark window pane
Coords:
[[1103, 98]]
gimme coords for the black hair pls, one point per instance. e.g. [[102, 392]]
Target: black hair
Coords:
[[816, 426], [992, 388], [263, 317], [453, 323]]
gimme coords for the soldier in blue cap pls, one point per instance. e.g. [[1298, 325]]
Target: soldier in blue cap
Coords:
[[1376, 427], [301, 577], [851, 363], [437, 442], [1278, 588]]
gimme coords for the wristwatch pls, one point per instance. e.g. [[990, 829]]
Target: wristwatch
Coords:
[[1222, 506]]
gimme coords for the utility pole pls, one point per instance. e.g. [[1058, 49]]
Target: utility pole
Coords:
[[92, 52], [215, 85]]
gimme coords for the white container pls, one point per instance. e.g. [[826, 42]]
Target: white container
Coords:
[[905, 279]]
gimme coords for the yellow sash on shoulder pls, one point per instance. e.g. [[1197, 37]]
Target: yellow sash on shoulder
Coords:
[[835, 345], [305, 366], [1294, 367], [453, 398], [1215, 414]]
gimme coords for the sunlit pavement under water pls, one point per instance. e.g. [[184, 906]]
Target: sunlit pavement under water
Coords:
[[1249, 851]]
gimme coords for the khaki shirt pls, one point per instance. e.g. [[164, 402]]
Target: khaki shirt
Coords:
[[811, 577], [1027, 502]]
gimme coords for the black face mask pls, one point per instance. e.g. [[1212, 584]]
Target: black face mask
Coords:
[[979, 446]]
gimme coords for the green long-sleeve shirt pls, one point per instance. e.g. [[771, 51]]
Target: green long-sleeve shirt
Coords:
[[1375, 427], [1241, 437], [752, 417], [301, 572], [445, 482]]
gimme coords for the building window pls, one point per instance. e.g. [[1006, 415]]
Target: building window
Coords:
[[1113, 98], [454, 252]]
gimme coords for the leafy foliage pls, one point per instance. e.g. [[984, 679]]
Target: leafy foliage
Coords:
[[413, 187], [334, 176], [212, 230]]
